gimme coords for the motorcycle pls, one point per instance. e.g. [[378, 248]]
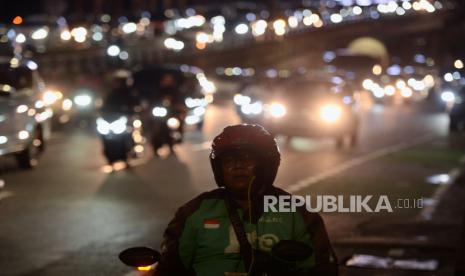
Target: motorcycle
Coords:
[[121, 134], [283, 260], [165, 126]]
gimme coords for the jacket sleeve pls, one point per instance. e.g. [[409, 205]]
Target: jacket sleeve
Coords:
[[179, 243], [325, 261]]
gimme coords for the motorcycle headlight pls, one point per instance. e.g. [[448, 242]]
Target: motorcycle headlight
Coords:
[[277, 110], [159, 111], [330, 113], [83, 100], [173, 123], [119, 126], [103, 127]]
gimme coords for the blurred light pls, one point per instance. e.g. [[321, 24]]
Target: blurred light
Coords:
[[250, 16], [259, 27], [49, 97], [97, 36], [378, 92], [406, 92], [3, 139], [330, 113], [40, 33], [199, 111], [139, 148], [377, 69], [83, 100], [336, 18], [293, 22], [103, 127], [318, 24], [400, 11], [67, 105], [123, 55], [241, 29], [394, 70], [23, 134], [429, 80], [448, 96], [65, 35], [202, 37], [279, 27], [137, 123], [419, 58], [192, 120], [129, 27], [105, 18], [79, 34], [174, 44], [21, 109], [456, 75], [145, 268], [17, 20], [173, 123], [6, 88], [241, 100], [409, 70], [277, 110], [406, 5], [14, 62], [367, 84], [159, 111], [20, 38], [32, 65], [400, 84], [113, 50], [307, 21], [119, 126], [39, 104], [458, 64], [357, 10], [389, 90]]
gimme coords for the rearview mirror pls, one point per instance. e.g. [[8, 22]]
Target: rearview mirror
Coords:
[[139, 256]]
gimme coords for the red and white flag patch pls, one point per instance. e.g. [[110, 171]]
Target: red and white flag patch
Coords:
[[211, 223]]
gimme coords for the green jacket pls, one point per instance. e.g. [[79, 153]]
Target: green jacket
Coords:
[[201, 241]]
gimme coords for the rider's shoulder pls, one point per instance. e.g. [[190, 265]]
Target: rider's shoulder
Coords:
[[194, 204]]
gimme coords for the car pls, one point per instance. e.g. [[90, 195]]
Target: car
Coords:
[[25, 120], [304, 107], [457, 111]]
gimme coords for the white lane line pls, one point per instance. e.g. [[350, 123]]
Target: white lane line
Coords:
[[427, 212], [6, 194], [356, 162]]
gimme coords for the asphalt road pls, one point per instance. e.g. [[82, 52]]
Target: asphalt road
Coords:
[[70, 216]]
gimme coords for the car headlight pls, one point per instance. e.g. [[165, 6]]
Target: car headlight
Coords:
[[173, 123], [83, 100], [448, 96], [277, 110], [330, 113], [103, 127], [159, 111]]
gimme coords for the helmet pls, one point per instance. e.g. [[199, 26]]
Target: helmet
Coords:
[[253, 138]]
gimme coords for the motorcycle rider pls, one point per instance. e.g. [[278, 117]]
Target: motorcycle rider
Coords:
[[120, 99], [202, 240]]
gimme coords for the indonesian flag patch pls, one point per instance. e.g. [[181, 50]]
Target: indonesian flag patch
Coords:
[[211, 223]]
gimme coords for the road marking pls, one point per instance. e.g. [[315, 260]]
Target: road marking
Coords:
[[6, 194], [356, 162], [427, 212]]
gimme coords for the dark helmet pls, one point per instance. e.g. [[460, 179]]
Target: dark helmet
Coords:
[[253, 138]]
